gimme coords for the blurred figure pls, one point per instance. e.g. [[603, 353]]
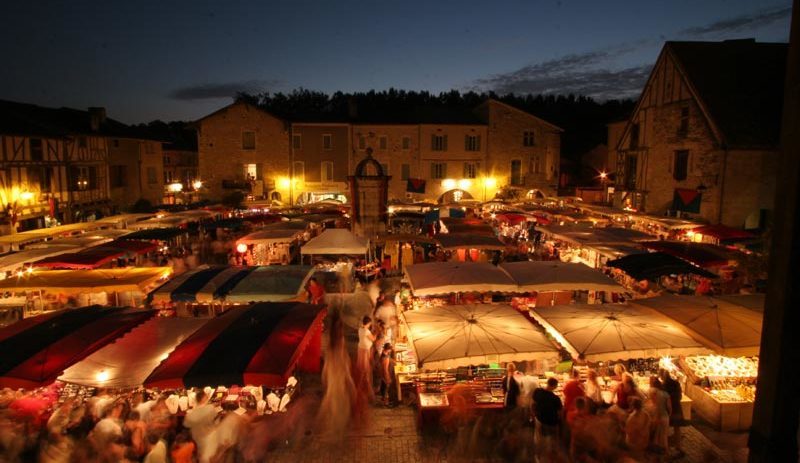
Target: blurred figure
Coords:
[[338, 400], [660, 409], [547, 409], [510, 387], [676, 420], [637, 429]]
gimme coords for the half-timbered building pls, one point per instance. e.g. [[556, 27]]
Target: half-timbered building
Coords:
[[703, 138]]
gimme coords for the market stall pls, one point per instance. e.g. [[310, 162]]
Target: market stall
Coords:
[[335, 241], [123, 220], [341, 245], [272, 284], [609, 332], [444, 278], [555, 282], [273, 246], [261, 344], [722, 386], [127, 362], [121, 252], [460, 348], [38, 349], [469, 247], [56, 289], [15, 262], [718, 234], [669, 272]]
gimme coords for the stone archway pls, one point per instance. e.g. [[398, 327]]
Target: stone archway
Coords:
[[535, 194], [454, 196]]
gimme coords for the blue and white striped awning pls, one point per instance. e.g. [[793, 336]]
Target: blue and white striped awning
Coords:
[[234, 284]]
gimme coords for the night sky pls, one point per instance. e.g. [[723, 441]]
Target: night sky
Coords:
[[168, 60]]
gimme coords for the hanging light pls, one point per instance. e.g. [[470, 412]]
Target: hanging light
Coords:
[[241, 248]]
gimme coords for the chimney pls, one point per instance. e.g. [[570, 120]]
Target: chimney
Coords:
[[352, 108], [97, 116]]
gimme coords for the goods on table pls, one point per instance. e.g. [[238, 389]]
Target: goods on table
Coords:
[[717, 365]]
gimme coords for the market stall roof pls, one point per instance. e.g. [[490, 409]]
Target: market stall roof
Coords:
[[258, 344], [21, 239], [653, 265], [558, 276], [335, 241], [405, 237], [196, 214], [272, 236], [475, 226], [162, 222], [123, 219], [452, 336], [748, 301], [262, 218], [450, 241], [724, 233], [293, 224], [614, 331], [95, 257], [36, 356], [439, 278], [669, 223], [127, 362], [512, 218], [586, 234], [232, 223], [155, 234], [616, 250], [725, 328], [703, 254], [11, 262], [272, 283], [203, 285], [87, 281]]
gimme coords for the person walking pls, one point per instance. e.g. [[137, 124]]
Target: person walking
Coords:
[[547, 410], [387, 374], [510, 387], [637, 429], [660, 409], [363, 370], [676, 420]]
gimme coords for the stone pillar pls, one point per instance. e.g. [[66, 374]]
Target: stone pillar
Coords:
[[369, 190]]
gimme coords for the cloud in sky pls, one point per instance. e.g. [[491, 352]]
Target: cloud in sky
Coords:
[[749, 21], [596, 73], [217, 90]]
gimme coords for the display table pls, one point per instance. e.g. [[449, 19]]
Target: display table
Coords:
[[724, 415]]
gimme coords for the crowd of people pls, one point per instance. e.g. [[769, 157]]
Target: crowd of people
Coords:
[[140, 426], [582, 426]]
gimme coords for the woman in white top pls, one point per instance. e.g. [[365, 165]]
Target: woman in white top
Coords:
[[592, 388], [363, 370]]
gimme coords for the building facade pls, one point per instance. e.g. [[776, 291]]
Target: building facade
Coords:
[[136, 171], [455, 155], [53, 165], [180, 165], [523, 150], [242, 147], [700, 143], [320, 160]]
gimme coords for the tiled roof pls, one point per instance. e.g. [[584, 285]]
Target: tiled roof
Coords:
[[741, 84], [33, 120]]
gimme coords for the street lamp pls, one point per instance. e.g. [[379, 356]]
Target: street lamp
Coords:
[[489, 182]]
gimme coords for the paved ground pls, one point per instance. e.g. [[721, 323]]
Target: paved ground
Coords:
[[390, 435]]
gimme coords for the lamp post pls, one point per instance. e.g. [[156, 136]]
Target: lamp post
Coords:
[[603, 180]]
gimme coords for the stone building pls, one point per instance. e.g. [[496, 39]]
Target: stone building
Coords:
[[395, 146], [320, 160], [523, 150], [135, 171], [703, 138], [180, 164], [242, 147], [465, 154], [54, 164]]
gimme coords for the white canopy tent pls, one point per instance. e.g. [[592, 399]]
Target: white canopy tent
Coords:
[[461, 335], [335, 241], [439, 278], [274, 236], [614, 332], [14, 261], [725, 328], [127, 362], [558, 276]]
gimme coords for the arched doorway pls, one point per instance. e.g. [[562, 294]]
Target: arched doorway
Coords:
[[535, 194], [454, 196]]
